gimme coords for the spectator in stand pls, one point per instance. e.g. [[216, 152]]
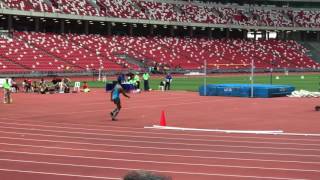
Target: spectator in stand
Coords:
[[146, 77], [168, 80]]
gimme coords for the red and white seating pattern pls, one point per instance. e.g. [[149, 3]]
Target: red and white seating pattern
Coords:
[[79, 7], [306, 18], [190, 53], [54, 52], [29, 5], [189, 12], [22, 53], [72, 53], [7, 66], [103, 48], [121, 9], [282, 54]]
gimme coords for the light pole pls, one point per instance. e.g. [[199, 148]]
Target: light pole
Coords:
[[205, 78], [271, 71], [273, 60], [252, 80]]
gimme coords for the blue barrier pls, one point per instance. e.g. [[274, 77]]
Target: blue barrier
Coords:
[[244, 90], [126, 87]]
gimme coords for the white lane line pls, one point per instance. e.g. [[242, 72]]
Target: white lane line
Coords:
[[56, 174], [155, 137], [169, 155], [134, 130], [153, 170], [59, 124], [275, 132], [168, 162], [216, 130], [155, 142], [158, 148]]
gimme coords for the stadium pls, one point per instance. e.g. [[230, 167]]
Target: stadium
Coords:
[[64, 57]]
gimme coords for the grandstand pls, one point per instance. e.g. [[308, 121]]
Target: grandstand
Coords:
[[69, 57], [83, 36]]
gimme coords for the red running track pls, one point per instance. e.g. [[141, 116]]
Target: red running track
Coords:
[[71, 137]]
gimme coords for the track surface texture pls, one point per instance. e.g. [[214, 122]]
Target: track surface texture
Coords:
[[72, 137]]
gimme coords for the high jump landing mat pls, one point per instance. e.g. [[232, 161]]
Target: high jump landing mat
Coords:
[[244, 90]]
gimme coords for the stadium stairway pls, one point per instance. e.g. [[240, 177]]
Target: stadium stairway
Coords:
[[133, 51], [131, 60], [93, 4], [314, 48], [279, 58], [262, 63], [17, 66], [105, 57], [183, 55]]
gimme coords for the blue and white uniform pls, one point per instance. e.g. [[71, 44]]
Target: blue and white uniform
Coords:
[[116, 92]]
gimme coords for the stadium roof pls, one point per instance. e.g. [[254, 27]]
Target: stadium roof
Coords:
[[253, 1], [295, 0]]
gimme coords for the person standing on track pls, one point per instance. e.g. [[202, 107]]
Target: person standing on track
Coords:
[[136, 80], [146, 77], [7, 92], [168, 80], [115, 97]]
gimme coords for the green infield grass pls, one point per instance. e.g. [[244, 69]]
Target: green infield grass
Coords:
[[309, 82]]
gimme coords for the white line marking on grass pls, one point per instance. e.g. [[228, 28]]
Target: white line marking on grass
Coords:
[[56, 174], [148, 137], [231, 131], [168, 162], [120, 168]]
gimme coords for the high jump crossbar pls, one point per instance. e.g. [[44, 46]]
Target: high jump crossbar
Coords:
[[231, 64]]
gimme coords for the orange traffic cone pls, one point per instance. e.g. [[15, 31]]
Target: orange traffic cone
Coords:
[[163, 119]]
